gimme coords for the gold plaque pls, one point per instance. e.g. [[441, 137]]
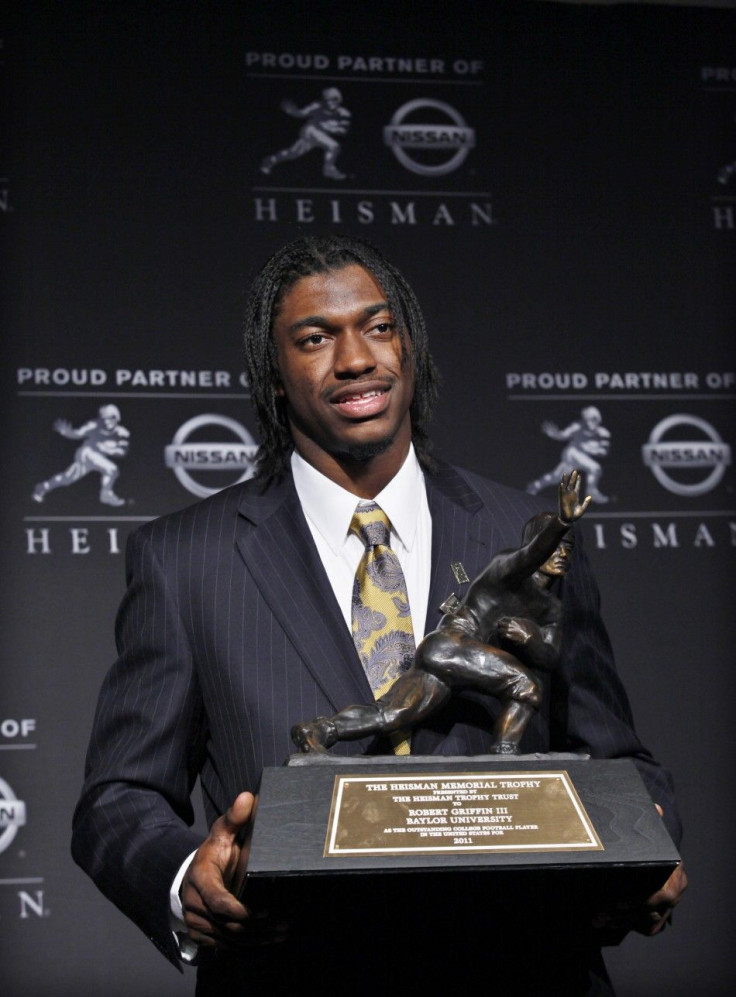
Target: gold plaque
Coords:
[[457, 812]]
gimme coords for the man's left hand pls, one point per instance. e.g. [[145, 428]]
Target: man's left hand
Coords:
[[658, 908], [650, 917]]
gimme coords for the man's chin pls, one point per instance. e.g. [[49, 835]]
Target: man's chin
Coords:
[[360, 453]]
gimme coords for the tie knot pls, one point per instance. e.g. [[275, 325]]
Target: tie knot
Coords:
[[372, 525]]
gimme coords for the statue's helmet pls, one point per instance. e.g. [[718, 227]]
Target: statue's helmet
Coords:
[[332, 96], [110, 414]]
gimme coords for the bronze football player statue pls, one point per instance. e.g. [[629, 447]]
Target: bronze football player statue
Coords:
[[506, 624]]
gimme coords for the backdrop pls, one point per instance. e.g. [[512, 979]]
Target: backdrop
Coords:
[[559, 184]]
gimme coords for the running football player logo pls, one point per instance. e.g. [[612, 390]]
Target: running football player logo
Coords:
[[102, 439], [585, 440], [323, 120]]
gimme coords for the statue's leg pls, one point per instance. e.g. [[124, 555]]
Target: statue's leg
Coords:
[[509, 728], [463, 662], [521, 695], [75, 472], [349, 724], [414, 696], [358, 721], [410, 699]]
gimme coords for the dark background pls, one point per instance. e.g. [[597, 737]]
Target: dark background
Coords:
[[130, 198]]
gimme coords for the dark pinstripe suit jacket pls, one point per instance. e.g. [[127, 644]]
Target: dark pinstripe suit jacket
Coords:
[[229, 633]]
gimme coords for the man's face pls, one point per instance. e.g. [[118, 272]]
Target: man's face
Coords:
[[559, 563], [340, 369]]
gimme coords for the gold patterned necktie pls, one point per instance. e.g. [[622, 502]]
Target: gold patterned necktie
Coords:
[[382, 629]]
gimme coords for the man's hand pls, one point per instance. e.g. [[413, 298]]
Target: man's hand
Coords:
[[570, 506], [650, 917], [658, 908], [213, 915]]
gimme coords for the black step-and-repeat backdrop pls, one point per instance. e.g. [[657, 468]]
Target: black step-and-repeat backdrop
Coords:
[[558, 182]]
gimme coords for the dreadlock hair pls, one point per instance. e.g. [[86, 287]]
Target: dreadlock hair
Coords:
[[304, 258]]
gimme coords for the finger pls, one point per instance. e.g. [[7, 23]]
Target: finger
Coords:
[[671, 893], [652, 923], [204, 940], [253, 933], [642, 922], [236, 816], [212, 901], [202, 925], [215, 937], [586, 502], [653, 916], [206, 889], [207, 897]]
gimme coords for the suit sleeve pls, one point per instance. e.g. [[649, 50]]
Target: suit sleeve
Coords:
[[131, 828], [590, 707]]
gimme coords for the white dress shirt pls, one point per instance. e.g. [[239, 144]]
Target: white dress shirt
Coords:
[[328, 509]]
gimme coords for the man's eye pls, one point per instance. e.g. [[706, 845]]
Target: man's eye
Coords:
[[315, 339], [383, 327]]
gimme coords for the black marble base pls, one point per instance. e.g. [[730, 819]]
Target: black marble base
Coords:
[[287, 864]]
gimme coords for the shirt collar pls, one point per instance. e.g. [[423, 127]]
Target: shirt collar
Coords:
[[330, 507]]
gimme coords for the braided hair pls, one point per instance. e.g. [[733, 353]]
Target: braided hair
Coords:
[[304, 258]]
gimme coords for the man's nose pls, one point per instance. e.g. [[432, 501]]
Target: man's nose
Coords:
[[353, 355]]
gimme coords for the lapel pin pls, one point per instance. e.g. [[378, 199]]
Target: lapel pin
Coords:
[[461, 575], [450, 604]]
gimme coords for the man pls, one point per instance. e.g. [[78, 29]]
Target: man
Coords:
[[236, 625]]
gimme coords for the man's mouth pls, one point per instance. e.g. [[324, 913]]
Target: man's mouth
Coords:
[[360, 404]]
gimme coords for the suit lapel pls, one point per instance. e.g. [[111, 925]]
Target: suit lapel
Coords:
[[278, 549], [462, 532]]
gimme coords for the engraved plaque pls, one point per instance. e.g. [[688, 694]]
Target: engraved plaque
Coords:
[[455, 813]]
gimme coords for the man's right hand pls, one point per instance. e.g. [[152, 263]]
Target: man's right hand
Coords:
[[214, 917]]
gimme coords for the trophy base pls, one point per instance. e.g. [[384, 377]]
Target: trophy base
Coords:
[[543, 832]]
